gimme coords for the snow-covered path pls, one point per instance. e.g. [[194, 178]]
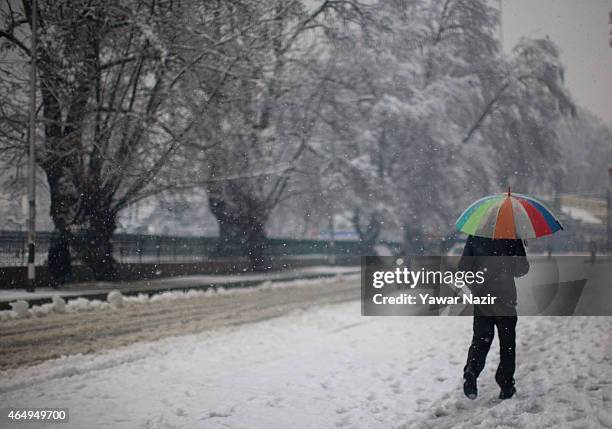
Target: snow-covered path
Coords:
[[329, 367]]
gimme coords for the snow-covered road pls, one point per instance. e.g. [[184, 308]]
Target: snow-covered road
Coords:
[[87, 326], [325, 367]]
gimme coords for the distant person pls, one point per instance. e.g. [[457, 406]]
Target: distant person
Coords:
[[592, 251], [501, 260], [549, 249]]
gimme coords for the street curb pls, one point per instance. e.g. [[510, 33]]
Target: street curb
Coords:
[[101, 295]]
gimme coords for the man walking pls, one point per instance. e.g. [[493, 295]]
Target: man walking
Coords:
[[501, 260]]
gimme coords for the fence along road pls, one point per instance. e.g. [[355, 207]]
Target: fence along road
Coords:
[[136, 248]]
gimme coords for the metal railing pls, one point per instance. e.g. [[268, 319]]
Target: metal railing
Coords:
[[14, 248], [135, 248], [158, 249]]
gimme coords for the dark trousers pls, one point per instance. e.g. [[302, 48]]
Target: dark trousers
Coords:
[[484, 332]]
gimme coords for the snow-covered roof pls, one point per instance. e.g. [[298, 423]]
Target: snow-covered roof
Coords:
[[581, 214]]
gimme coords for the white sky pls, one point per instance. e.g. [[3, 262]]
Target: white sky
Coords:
[[581, 30]]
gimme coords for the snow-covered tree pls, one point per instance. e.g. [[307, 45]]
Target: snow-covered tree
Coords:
[[398, 112], [265, 115], [586, 147], [427, 107], [518, 121], [107, 118]]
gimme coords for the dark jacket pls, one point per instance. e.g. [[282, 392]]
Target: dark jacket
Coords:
[[500, 260]]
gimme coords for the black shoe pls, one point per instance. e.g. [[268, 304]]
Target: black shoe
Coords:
[[469, 385], [507, 393]]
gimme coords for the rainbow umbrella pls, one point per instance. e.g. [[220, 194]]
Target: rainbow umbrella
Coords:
[[510, 215]]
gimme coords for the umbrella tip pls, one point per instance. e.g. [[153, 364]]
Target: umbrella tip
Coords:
[[508, 190]]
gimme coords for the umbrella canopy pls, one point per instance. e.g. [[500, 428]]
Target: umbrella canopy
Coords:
[[513, 216]]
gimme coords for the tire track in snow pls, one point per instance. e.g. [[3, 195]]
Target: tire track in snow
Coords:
[[25, 342]]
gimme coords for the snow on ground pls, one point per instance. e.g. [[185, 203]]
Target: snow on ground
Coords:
[[21, 308], [329, 367], [80, 289]]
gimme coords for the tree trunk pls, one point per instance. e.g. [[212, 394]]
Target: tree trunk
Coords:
[[257, 245], [368, 233], [64, 206], [413, 240], [60, 163], [98, 247], [85, 223], [241, 231], [59, 259]]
